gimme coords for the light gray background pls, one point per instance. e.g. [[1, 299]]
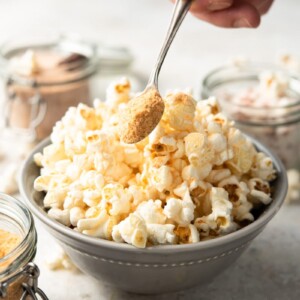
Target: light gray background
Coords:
[[270, 268]]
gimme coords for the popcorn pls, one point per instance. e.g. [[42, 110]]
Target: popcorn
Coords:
[[294, 185], [97, 223], [161, 178], [60, 261], [118, 92], [243, 150], [187, 234], [26, 65], [195, 177], [55, 198], [179, 111], [273, 84], [118, 199], [76, 214], [132, 230], [288, 61], [62, 216], [181, 211], [161, 234], [259, 191], [152, 212], [263, 167], [8, 183], [220, 218]]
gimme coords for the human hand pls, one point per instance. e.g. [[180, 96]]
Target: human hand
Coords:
[[231, 13]]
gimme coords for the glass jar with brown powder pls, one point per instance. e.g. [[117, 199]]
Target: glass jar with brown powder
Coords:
[[43, 76], [18, 273]]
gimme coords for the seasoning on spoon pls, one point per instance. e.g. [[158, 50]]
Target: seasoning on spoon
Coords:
[[142, 116], [144, 112]]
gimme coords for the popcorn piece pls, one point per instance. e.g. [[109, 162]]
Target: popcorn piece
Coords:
[[273, 84], [161, 234], [97, 223], [179, 111], [74, 197], [62, 216], [216, 176], [198, 149], [194, 234], [152, 212], [289, 61], [220, 219], [25, 65], [181, 211], [76, 214], [138, 193], [91, 197], [60, 261], [294, 185], [187, 234], [259, 191], [132, 230], [118, 199], [221, 207], [8, 183], [161, 178], [118, 92], [263, 167], [243, 150], [55, 198]]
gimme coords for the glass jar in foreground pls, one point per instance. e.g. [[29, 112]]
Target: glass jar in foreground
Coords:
[[18, 273], [264, 101]]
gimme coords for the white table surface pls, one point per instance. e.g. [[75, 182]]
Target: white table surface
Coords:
[[270, 268]]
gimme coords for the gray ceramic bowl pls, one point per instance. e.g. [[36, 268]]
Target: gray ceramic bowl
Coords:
[[156, 269]]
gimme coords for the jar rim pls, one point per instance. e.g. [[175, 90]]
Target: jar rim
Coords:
[[26, 214], [65, 41], [211, 81]]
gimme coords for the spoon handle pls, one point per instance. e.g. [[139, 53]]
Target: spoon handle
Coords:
[[180, 10]]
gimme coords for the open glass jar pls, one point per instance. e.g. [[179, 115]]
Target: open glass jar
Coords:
[[44, 74], [264, 101], [18, 273]]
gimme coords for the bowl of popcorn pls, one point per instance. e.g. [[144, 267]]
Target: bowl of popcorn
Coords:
[[165, 214]]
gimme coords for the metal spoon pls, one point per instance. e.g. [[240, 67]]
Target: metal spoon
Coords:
[[145, 111]]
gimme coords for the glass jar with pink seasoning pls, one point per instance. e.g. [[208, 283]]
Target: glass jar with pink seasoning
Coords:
[[264, 101]]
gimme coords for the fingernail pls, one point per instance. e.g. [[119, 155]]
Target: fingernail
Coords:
[[218, 5], [242, 23]]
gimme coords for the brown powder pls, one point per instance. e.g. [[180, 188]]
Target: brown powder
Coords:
[[8, 242], [58, 95], [15, 290], [141, 116]]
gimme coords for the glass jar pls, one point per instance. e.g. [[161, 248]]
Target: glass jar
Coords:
[[18, 273], [277, 126], [44, 74]]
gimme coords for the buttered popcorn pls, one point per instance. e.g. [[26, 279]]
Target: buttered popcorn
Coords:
[[194, 177]]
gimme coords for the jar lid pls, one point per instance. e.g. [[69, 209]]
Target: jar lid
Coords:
[[57, 59]]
